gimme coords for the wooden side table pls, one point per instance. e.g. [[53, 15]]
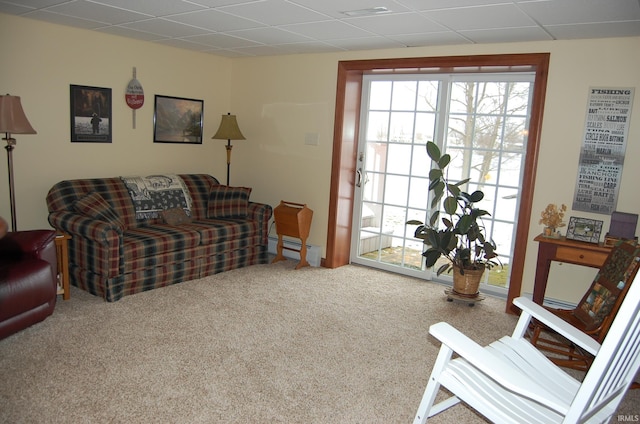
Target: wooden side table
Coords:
[[563, 250], [63, 265]]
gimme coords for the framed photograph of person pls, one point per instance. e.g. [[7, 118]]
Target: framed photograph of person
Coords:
[[583, 229], [90, 114], [177, 120]]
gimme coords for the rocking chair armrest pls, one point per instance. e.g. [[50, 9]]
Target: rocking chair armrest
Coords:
[[555, 323], [494, 367]]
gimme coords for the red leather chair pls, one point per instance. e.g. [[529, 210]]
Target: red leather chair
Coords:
[[28, 279]]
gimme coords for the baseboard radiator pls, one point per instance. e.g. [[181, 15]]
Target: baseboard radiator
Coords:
[[554, 303], [313, 252], [558, 304]]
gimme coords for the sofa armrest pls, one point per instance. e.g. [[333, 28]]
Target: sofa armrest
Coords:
[[261, 212], [95, 245], [78, 225]]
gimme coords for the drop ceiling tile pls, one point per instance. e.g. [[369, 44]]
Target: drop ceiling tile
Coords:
[[13, 9], [502, 35], [183, 44], [395, 23], [220, 3], [93, 11], [335, 8], [129, 33], [597, 30], [367, 43], [430, 39], [274, 12], [165, 28], [259, 51], [215, 20], [327, 30], [221, 41], [269, 35], [155, 8], [56, 18], [289, 24], [483, 17], [313, 47], [34, 4], [557, 12], [448, 4]]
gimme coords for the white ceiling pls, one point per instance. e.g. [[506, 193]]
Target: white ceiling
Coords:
[[236, 28]]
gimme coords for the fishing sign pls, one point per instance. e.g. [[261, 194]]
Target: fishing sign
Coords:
[[134, 95]]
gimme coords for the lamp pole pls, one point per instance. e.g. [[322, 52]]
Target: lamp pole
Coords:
[[11, 144], [228, 147], [12, 121]]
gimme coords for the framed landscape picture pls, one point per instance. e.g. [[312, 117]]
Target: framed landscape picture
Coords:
[[584, 229], [177, 120], [90, 114]]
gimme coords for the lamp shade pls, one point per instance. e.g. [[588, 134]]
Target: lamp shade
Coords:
[[12, 117], [228, 129]]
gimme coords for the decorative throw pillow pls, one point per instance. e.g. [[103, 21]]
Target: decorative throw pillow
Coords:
[[175, 216], [94, 206], [228, 202]]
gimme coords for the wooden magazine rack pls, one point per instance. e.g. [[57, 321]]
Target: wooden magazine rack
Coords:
[[292, 220]]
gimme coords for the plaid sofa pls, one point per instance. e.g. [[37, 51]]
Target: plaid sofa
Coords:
[[114, 254]]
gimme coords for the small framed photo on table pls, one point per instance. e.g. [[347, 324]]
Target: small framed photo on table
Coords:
[[583, 229]]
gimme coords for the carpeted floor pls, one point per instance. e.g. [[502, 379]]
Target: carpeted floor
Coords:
[[263, 344]]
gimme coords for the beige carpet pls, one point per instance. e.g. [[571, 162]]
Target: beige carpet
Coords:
[[264, 344]]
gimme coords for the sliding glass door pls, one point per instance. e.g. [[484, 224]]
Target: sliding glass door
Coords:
[[480, 120]]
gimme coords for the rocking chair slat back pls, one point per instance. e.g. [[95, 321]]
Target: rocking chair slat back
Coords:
[[510, 381], [596, 310], [617, 361]]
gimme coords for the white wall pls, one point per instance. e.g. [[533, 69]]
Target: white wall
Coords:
[[278, 100], [41, 60], [283, 98]]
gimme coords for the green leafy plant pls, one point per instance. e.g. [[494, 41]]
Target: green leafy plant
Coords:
[[460, 238]]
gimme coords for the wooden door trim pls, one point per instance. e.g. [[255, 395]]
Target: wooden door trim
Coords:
[[345, 142]]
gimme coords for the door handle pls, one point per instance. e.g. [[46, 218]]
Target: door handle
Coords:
[[361, 177]]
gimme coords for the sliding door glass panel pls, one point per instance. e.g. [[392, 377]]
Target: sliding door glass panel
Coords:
[[480, 120]]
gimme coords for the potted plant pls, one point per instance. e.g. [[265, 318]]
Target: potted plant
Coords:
[[458, 234]]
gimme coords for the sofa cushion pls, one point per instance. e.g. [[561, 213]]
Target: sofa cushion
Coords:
[[228, 202], [153, 244], [175, 216], [94, 206], [221, 231]]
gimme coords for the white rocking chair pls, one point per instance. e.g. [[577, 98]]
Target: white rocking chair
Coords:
[[510, 381]]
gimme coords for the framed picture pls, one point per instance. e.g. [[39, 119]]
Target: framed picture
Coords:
[[90, 114], [177, 120], [584, 229]]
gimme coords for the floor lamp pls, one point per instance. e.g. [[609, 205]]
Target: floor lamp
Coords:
[[12, 121], [228, 130]]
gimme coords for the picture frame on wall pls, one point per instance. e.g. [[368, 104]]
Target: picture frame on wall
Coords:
[[584, 229], [177, 120], [90, 114]]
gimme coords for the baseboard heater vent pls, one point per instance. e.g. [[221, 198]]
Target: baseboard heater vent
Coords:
[[558, 304], [313, 252], [554, 303]]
